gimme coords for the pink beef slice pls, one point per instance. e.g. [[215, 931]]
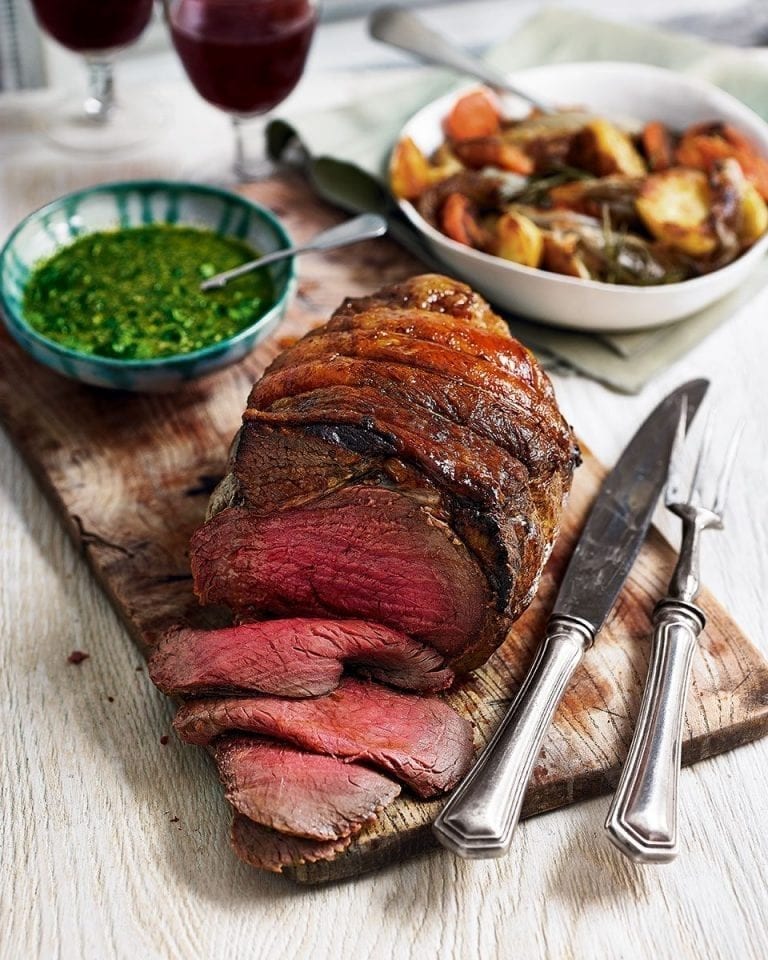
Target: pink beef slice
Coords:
[[420, 740], [298, 793], [269, 850], [295, 657], [367, 552]]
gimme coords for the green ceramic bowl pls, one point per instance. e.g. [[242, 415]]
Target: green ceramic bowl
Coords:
[[138, 203]]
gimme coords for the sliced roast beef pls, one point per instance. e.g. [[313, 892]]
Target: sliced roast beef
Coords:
[[361, 552], [270, 850], [420, 740], [296, 657], [299, 793]]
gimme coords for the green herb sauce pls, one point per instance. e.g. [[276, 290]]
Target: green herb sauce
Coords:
[[134, 294]]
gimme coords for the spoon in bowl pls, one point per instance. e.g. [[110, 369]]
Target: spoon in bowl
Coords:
[[367, 226], [401, 29]]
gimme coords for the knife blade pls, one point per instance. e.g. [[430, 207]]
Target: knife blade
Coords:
[[480, 817], [620, 517]]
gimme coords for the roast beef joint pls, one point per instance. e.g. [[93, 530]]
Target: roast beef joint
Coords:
[[391, 499]]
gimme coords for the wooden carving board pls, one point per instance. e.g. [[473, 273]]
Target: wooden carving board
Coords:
[[130, 476]]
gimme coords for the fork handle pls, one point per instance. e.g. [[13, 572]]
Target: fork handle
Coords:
[[642, 821]]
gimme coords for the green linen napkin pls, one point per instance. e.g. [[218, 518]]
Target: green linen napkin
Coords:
[[344, 153]]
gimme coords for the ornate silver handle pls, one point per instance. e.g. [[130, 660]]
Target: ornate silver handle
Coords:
[[480, 817], [642, 821]]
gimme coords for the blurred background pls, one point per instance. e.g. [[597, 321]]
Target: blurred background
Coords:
[[29, 61]]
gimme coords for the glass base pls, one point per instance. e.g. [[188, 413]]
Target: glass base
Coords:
[[131, 124], [253, 170]]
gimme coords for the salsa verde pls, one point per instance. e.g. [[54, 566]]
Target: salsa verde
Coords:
[[134, 293]]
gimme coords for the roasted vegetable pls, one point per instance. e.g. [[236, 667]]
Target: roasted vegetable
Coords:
[[676, 207], [547, 140], [704, 145], [493, 152], [476, 114], [580, 246], [603, 149], [576, 194], [409, 171], [616, 194], [754, 215], [446, 161], [657, 144], [485, 194], [458, 220], [518, 238], [561, 255]]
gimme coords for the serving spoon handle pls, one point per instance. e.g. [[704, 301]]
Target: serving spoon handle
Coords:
[[367, 226], [401, 29]]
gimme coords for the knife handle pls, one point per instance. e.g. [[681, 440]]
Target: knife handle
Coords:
[[478, 820], [642, 821]]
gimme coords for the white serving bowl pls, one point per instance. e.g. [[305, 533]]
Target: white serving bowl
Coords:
[[615, 90]]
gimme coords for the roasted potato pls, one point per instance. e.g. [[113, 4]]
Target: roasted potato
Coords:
[[675, 205], [754, 215], [519, 239], [409, 171], [602, 148], [561, 255]]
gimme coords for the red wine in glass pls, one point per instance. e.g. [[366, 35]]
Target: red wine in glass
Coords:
[[88, 26], [243, 56], [97, 29]]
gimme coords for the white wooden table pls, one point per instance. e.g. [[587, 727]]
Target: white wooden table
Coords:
[[116, 846]]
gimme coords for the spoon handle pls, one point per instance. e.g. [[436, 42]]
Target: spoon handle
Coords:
[[367, 226], [399, 28]]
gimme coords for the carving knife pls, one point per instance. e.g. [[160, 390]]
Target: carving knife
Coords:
[[479, 818]]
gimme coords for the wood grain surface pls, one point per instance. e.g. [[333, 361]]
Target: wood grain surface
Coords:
[[130, 476]]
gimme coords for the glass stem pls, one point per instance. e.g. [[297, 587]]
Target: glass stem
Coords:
[[251, 162], [100, 100]]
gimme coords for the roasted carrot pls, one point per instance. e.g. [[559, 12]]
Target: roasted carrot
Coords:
[[457, 220], [657, 145], [493, 152], [474, 115], [703, 150]]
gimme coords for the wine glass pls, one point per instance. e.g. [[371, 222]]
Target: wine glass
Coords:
[[98, 29], [245, 57]]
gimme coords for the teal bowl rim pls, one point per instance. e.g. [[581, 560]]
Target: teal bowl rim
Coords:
[[214, 349]]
